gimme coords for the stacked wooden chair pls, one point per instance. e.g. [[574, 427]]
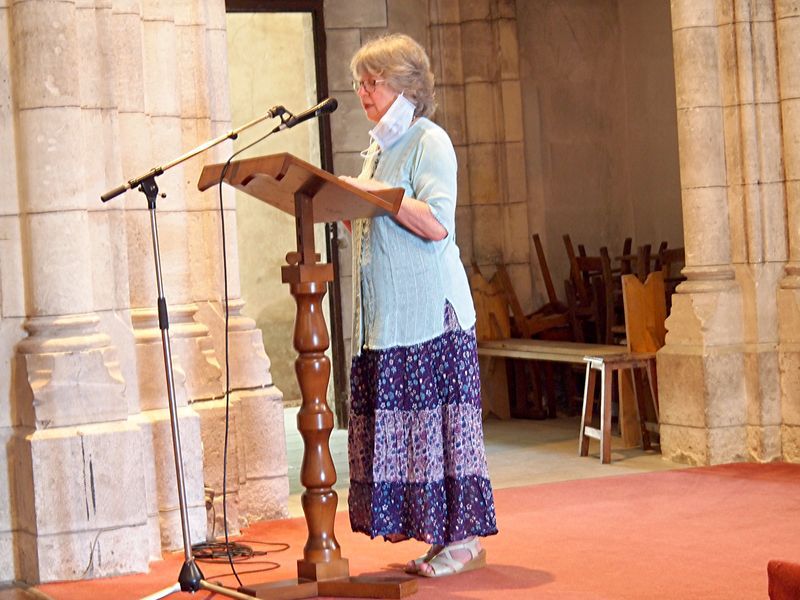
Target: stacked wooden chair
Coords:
[[492, 323], [594, 293], [671, 261]]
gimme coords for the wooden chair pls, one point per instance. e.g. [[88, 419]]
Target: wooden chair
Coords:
[[553, 305], [645, 313], [492, 322], [643, 259], [594, 307], [528, 325], [548, 372], [671, 261], [491, 307], [579, 288], [546, 323], [493, 300], [626, 260]]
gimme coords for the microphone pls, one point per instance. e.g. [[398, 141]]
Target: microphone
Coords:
[[327, 106]]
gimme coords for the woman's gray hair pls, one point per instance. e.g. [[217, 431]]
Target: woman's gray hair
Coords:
[[404, 65]]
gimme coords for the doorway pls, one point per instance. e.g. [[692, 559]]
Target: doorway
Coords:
[[276, 56]]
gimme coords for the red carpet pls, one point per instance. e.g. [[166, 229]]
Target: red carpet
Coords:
[[696, 533]]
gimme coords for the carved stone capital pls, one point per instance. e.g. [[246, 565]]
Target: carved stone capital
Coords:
[[72, 373]]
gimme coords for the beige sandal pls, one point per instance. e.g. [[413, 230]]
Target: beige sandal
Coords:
[[412, 568], [444, 564]]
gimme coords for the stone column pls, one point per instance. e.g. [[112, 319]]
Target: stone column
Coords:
[[757, 211], [701, 382], [197, 374], [257, 484], [130, 133], [787, 20], [73, 444], [12, 302]]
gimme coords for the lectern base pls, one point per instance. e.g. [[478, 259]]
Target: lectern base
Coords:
[[348, 587]]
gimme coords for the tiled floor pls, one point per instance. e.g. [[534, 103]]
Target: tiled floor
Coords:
[[519, 452]]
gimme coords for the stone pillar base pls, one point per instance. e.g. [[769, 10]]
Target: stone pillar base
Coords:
[[702, 446], [764, 443], [264, 491], [89, 515], [163, 513], [8, 570], [258, 484], [703, 405], [790, 449], [789, 364], [212, 428]]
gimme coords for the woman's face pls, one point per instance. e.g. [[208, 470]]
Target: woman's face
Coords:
[[378, 101]]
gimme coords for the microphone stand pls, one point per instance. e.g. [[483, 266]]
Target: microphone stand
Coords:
[[190, 578]]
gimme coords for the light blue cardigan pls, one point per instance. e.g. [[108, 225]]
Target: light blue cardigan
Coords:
[[400, 280]]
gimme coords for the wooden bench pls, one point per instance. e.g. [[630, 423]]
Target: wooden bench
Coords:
[[555, 351], [495, 388]]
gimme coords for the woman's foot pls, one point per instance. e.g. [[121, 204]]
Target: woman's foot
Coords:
[[457, 557], [412, 567]]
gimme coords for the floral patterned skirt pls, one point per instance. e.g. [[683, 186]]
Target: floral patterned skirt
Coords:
[[417, 460]]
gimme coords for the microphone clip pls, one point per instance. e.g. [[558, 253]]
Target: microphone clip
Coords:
[[285, 116]]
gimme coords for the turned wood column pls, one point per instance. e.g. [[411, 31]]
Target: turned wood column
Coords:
[[308, 282]]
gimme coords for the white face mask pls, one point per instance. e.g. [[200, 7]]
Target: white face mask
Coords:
[[394, 123]]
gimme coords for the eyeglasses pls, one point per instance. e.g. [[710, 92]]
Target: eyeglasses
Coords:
[[367, 84]]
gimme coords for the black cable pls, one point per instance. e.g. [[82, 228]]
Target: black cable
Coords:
[[217, 552], [271, 567], [214, 552], [227, 357]]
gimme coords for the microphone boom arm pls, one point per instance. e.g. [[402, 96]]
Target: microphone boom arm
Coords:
[[131, 184]]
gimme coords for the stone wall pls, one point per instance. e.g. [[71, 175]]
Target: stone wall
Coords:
[[600, 129], [93, 93]]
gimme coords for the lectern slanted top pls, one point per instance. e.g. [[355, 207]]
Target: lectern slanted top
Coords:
[[277, 178]]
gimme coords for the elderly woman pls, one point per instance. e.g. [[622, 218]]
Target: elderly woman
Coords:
[[417, 460]]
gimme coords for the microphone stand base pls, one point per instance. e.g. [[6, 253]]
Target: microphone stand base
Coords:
[[363, 586]]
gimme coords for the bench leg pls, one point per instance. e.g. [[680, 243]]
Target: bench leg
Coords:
[[518, 385], [568, 374], [652, 379], [606, 377], [638, 393], [588, 408], [550, 390]]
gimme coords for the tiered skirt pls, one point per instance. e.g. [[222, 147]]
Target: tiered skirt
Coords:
[[417, 460]]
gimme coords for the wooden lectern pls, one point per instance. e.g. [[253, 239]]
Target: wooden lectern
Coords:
[[312, 195]]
